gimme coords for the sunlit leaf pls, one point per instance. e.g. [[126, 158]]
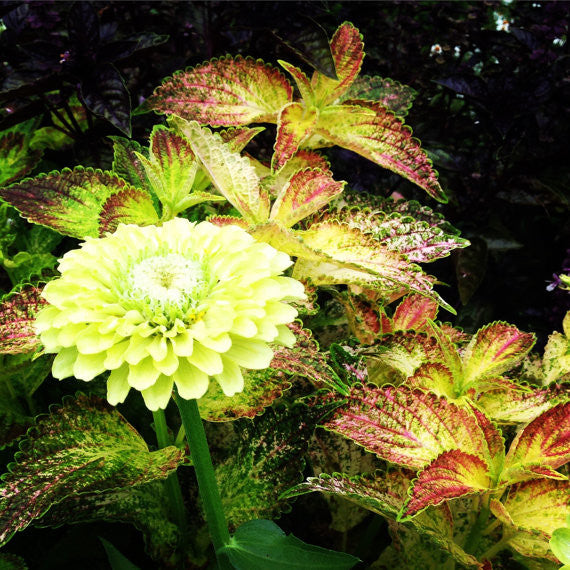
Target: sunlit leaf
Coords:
[[83, 446], [556, 360], [302, 81], [127, 164], [347, 50], [129, 206], [17, 159], [436, 377], [377, 134], [225, 92], [413, 312], [390, 93], [295, 124], [543, 443], [304, 193]]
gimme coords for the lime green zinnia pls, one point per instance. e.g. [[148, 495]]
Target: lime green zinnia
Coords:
[[175, 304]]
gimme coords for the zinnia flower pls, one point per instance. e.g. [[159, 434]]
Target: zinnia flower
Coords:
[[175, 304]]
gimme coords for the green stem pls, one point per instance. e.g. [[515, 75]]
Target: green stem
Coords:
[[207, 484], [472, 542], [172, 484], [495, 549]]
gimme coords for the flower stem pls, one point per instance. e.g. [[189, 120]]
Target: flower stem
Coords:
[[207, 484], [172, 484]]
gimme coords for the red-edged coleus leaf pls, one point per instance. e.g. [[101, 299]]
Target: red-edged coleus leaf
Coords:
[[232, 175], [295, 125], [556, 360], [541, 447], [304, 193], [384, 494], [414, 312], [223, 92], [83, 446], [127, 164], [452, 474], [347, 50], [532, 511], [71, 201], [18, 312], [408, 427], [379, 135], [302, 81], [239, 137], [390, 93], [494, 349], [419, 240], [16, 157], [436, 377], [515, 403]]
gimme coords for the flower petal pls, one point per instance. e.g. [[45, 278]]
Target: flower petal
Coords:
[[117, 385], [63, 363], [169, 363], [158, 395], [286, 336], [87, 366], [231, 379], [137, 350], [249, 353], [206, 360], [183, 344], [143, 374], [190, 382], [116, 355]]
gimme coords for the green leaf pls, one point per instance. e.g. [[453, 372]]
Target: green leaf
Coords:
[[261, 544], [117, 560], [12, 562], [130, 206], [71, 201], [378, 134], [540, 447], [494, 349], [127, 164], [347, 50], [232, 175], [223, 92], [302, 81], [556, 360], [82, 446], [17, 159], [560, 544], [18, 312], [388, 92], [295, 125]]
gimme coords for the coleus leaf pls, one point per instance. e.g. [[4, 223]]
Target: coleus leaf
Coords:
[[534, 510], [295, 124], [494, 349], [379, 135], [71, 201], [385, 493], [267, 459], [83, 446], [239, 137], [556, 360], [304, 193], [347, 50], [436, 377], [16, 157], [540, 447], [18, 312], [414, 312], [388, 92], [302, 81], [407, 427], [452, 474], [127, 164], [233, 175], [224, 92]]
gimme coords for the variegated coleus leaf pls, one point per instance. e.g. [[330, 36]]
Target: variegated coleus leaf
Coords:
[[541, 447], [303, 194], [419, 240], [83, 446], [411, 427], [17, 159], [17, 315], [302, 81], [295, 124], [127, 164], [267, 459], [556, 360], [347, 49], [384, 494], [232, 175], [376, 133], [390, 93], [223, 92], [494, 349], [532, 511], [73, 201]]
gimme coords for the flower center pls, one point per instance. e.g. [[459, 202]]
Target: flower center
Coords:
[[165, 279]]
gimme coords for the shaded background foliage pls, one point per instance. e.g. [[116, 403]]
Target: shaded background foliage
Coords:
[[492, 111]]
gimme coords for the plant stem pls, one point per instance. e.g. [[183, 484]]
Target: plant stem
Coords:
[[207, 484], [172, 484], [474, 537]]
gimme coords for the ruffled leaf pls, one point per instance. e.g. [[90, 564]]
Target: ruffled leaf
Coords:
[[543, 443], [534, 510], [294, 125], [452, 474], [379, 135], [130, 206], [232, 175], [494, 349], [388, 92], [239, 137], [302, 81], [71, 201], [407, 427], [223, 92], [83, 446], [304, 193], [436, 377], [347, 50], [18, 312]]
